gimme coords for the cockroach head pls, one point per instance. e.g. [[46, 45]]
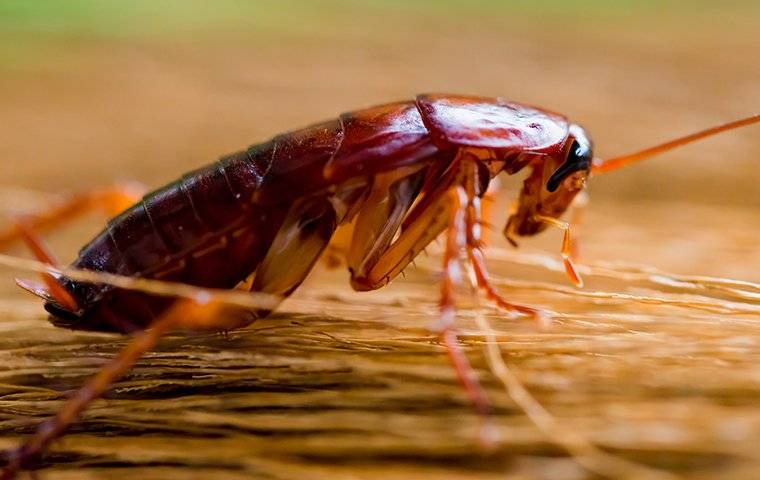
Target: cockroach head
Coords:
[[552, 185]]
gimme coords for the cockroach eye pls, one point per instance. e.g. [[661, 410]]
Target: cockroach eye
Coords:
[[578, 159]]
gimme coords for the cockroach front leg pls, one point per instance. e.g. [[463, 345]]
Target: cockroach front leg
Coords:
[[567, 249], [577, 217], [111, 200], [184, 314]]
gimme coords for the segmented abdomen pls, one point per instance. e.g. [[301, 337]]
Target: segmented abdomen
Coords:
[[202, 229]]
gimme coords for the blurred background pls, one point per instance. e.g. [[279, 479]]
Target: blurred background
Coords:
[[94, 92], [98, 91]]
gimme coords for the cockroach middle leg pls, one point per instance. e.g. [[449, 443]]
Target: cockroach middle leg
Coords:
[[451, 277], [185, 314], [473, 220], [373, 262], [111, 200]]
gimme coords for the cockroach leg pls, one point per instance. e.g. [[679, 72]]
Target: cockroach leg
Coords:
[[570, 270], [577, 217], [486, 203], [55, 290], [466, 375], [443, 210], [184, 314], [456, 239], [375, 257], [475, 255], [112, 200]]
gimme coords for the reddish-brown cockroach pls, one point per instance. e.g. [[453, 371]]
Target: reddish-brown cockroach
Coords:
[[259, 219]]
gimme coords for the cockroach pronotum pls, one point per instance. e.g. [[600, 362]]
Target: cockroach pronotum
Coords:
[[401, 174]]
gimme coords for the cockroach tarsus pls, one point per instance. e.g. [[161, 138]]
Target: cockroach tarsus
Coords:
[[400, 174]]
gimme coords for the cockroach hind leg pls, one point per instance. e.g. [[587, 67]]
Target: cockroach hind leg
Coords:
[[111, 200], [184, 314], [119, 197]]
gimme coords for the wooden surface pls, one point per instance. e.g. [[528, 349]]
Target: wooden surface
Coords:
[[346, 385]]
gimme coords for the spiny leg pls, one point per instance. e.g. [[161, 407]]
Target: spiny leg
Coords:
[[111, 200], [387, 206], [377, 262], [184, 314], [475, 248], [477, 261], [451, 277]]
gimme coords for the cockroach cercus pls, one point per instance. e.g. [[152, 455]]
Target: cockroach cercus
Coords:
[[401, 174]]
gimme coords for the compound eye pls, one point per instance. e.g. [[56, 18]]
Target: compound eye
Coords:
[[578, 158]]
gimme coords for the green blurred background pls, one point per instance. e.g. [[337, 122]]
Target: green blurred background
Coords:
[[98, 91]]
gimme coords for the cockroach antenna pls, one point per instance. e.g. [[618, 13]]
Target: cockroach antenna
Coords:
[[603, 166]]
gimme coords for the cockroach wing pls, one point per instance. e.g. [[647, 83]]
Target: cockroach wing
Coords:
[[379, 139], [297, 160], [491, 123]]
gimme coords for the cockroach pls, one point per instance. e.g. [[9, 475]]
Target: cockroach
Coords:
[[259, 219]]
